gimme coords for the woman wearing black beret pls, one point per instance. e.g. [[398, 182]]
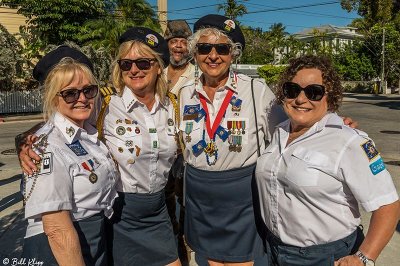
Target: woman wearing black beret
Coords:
[[225, 121]]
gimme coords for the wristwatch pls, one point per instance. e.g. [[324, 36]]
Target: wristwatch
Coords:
[[364, 259]]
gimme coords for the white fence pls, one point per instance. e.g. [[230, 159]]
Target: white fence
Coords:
[[12, 102]]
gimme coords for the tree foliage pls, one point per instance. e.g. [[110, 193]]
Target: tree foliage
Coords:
[[55, 21], [354, 63], [233, 9], [121, 15], [12, 62], [270, 73]]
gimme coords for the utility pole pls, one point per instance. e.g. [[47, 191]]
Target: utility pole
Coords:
[[383, 64], [162, 13]]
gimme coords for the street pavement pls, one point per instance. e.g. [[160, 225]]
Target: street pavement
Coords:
[[378, 115]]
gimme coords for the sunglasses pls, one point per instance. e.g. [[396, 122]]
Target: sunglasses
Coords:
[[72, 94], [314, 92], [141, 64], [221, 48]]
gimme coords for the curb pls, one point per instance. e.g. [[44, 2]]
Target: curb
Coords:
[[21, 118]]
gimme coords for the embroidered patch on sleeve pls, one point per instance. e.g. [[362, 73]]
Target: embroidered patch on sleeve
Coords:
[[370, 149], [377, 166]]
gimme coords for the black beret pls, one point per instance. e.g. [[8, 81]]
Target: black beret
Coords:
[[149, 37], [48, 61], [228, 26]]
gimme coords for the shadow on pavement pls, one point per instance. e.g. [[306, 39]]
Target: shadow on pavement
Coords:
[[12, 232], [398, 227], [10, 179]]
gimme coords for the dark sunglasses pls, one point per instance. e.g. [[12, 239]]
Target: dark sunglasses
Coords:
[[142, 63], [314, 92], [221, 48], [71, 95]]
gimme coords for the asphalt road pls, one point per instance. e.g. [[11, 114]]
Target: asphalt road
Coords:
[[379, 116]]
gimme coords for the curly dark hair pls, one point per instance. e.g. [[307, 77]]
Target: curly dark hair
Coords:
[[330, 78]]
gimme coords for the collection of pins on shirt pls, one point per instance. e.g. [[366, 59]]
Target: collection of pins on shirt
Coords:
[[236, 128], [40, 146], [121, 130]]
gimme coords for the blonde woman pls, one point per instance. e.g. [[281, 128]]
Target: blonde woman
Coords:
[[67, 199], [138, 128]]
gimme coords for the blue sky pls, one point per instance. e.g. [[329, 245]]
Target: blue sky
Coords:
[[295, 19]]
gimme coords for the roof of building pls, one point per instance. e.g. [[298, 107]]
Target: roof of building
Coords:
[[343, 32]]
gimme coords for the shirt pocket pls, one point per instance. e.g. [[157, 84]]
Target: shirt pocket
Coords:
[[306, 167]]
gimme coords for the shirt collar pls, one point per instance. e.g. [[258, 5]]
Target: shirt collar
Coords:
[[329, 120], [71, 131], [129, 99], [67, 128], [231, 83]]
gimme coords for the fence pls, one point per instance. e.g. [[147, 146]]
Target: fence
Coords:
[[12, 102]]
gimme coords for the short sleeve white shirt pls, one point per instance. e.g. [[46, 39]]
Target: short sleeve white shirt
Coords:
[[142, 141], [309, 189], [77, 173]]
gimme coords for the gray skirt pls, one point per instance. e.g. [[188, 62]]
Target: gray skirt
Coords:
[[220, 221], [91, 238], [141, 231]]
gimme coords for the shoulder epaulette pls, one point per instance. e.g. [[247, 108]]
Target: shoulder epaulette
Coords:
[[106, 91]]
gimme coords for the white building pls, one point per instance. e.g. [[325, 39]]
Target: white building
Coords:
[[328, 36]]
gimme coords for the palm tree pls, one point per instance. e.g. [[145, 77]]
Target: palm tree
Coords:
[[232, 9], [121, 15]]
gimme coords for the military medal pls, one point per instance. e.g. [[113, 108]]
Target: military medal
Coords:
[[88, 165], [188, 130], [120, 149], [152, 130], [118, 121], [137, 130], [93, 177], [170, 122], [211, 149], [131, 161], [70, 131], [127, 121]]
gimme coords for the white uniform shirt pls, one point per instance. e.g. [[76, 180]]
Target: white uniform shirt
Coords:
[[183, 79], [267, 118], [309, 189], [63, 183], [141, 141]]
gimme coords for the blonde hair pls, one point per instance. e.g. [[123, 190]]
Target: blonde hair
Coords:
[[194, 39], [140, 49], [58, 78]]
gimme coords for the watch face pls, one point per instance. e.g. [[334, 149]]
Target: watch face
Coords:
[[370, 263]]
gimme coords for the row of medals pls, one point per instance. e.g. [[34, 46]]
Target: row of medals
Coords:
[[236, 129]]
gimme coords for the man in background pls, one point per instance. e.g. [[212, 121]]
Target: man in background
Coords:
[[178, 72]]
